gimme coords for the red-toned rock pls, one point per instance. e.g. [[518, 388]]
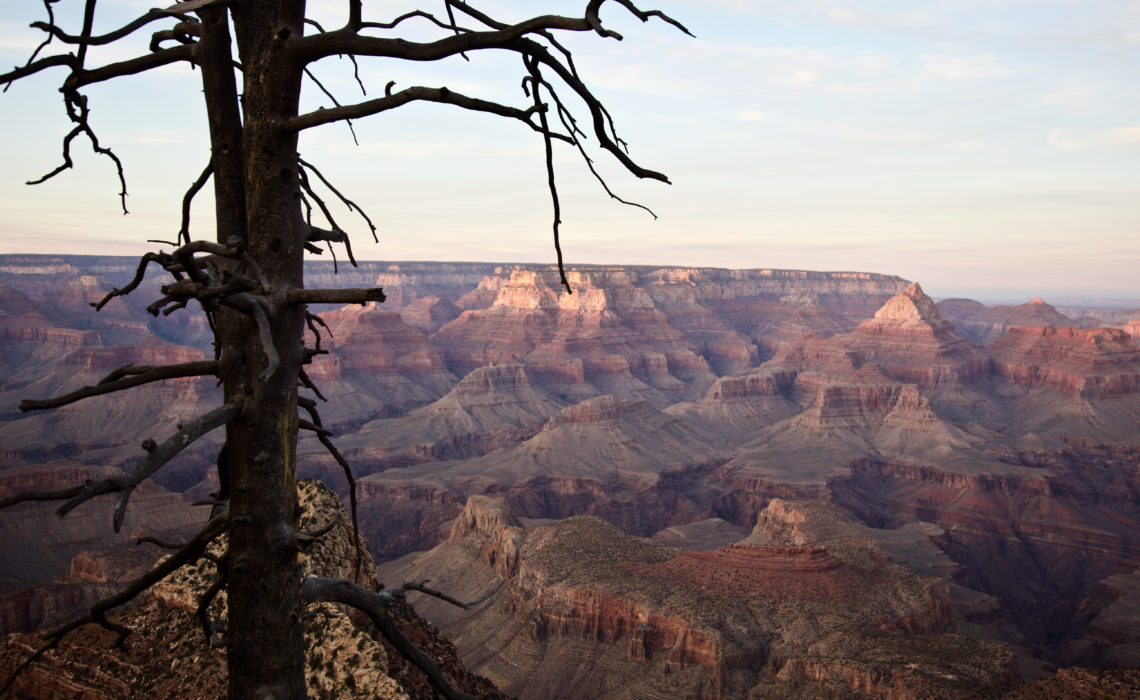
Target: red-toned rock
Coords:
[[1082, 684], [367, 339], [151, 351], [13, 302], [1132, 327], [489, 409], [399, 518], [650, 620], [1026, 516], [911, 342], [1092, 363], [638, 400], [984, 324], [429, 313], [762, 382], [609, 327], [34, 329]]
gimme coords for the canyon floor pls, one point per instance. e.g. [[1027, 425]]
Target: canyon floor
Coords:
[[711, 482]]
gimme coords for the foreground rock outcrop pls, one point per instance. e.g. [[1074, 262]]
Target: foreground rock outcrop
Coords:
[[167, 654]]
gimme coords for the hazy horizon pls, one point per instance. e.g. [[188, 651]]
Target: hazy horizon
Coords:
[[989, 298], [982, 149]]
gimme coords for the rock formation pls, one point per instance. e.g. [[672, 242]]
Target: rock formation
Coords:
[[994, 449], [648, 620], [984, 324], [1092, 363], [80, 553]]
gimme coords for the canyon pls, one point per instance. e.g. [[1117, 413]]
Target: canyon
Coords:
[[692, 480]]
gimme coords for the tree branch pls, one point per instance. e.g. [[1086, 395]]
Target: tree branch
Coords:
[[403, 97], [352, 206], [422, 588], [536, 83], [124, 483], [378, 607], [598, 112], [78, 113], [334, 296], [336, 103], [151, 15], [98, 612], [140, 272], [139, 64], [250, 306], [188, 198], [347, 41], [140, 375], [34, 67], [324, 436], [209, 629]]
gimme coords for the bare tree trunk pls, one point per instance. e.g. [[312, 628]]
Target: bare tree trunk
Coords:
[[266, 650]]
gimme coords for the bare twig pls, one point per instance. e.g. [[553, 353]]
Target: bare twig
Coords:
[[184, 231], [324, 436], [308, 383], [336, 103], [126, 30], [209, 629], [352, 206], [140, 273], [313, 427], [312, 321], [423, 588], [78, 112], [535, 85]]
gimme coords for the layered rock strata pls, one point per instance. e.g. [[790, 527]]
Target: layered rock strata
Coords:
[[661, 399], [653, 621], [985, 324]]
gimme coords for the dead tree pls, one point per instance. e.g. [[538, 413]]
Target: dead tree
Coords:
[[254, 57]]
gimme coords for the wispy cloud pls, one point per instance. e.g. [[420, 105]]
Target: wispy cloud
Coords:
[[970, 67], [804, 75], [1079, 140], [751, 115], [844, 15], [1074, 97]]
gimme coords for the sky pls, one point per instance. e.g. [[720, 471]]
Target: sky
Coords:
[[984, 148]]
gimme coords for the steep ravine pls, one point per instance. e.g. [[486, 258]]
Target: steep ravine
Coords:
[[1038, 543]]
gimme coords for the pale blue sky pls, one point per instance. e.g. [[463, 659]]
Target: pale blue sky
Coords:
[[982, 147]]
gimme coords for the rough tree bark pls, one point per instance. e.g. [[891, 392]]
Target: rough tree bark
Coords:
[[250, 281]]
